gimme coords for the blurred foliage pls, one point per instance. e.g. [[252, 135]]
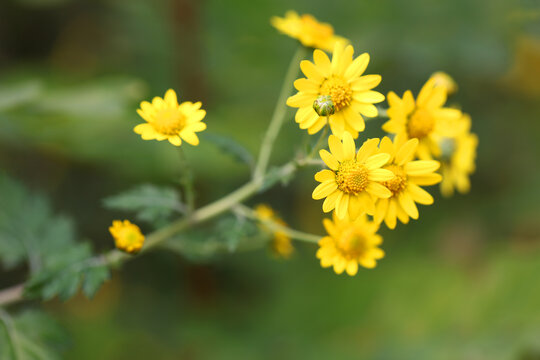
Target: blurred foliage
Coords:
[[457, 284]]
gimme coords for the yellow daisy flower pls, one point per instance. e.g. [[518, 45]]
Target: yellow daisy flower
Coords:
[[307, 30], [127, 236], [443, 79], [165, 119], [353, 182], [425, 119], [458, 159], [281, 244], [350, 243], [342, 80], [405, 186]]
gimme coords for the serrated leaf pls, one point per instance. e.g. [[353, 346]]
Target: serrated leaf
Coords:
[[29, 231], [149, 202], [230, 147], [30, 335], [94, 277]]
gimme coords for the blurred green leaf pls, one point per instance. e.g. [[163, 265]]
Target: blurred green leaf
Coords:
[[29, 231], [22, 93], [230, 147], [150, 203], [30, 335]]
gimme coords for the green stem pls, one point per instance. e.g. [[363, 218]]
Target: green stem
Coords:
[[186, 180], [278, 115], [12, 335]]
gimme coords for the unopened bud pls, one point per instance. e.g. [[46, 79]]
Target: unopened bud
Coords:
[[324, 106]]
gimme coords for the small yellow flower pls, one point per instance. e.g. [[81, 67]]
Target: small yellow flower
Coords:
[[127, 236], [342, 80], [458, 159], [350, 243], [425, 119], [405, 186], [353, 182], [307, 30], [165, 119], [446, 81], [281, 244]]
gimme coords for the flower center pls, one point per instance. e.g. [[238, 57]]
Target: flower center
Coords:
[[351, 177], [352, 243], [420, 124], [398, 182], [168, 121], [339, 90]]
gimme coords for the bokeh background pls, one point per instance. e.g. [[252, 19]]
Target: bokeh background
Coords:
[[460, 283]]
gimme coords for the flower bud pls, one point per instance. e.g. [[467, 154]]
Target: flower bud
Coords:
[[324, 106]]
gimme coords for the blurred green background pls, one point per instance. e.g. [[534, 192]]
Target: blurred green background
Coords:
[[460, 283]]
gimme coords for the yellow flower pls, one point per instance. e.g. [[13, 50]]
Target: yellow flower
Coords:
[[342, 80], [127, 236], [165, 119], [446, 81], [425, 119], [405, 186], [458, 159], [281, 243], [353, 182], [350, 243], [307, 30]]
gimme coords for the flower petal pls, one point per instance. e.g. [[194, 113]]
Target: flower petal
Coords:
[[324, 189], [376, 161], [407, 203], [420, 195], [406, 152], [421, 167], [329, 159]]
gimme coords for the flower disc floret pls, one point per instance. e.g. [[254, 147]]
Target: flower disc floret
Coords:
[[350, 244], [353, 181], [343, 79], [127, 236], [168, 120]]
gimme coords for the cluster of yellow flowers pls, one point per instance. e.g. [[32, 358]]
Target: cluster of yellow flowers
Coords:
[[380, 180], [383, 179]]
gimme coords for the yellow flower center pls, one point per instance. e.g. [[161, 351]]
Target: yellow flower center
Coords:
[[168, 121], [339, 90], [420, 124], [351, 177], [398, 182], [352, 243]]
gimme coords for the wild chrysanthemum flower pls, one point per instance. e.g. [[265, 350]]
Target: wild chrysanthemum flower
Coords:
[[409, 175], [458, 156], [443, 79], [353, 182], [342, 80], [281, 243], [350, 243], [425, 119], [165, 119], [127, 236], [307, 30]]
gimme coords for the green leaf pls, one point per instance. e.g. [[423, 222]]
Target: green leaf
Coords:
[[150, 203], [229, 234], [94, 277], [29, 231], [30, 335], [231, 147]]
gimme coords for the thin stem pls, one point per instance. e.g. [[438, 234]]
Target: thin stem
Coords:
[[11, 294], [278, 115], [186, 180], [274, 226], [11, 332]]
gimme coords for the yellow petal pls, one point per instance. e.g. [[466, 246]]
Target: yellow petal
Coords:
[[408, 204], [307, 86], [329, 159], [175, 140], [322, 61], [376, 161], [406, 152], [349, 148], [380, 210], [336, 148], [301, 100], [342, 205], [358, 66], [311, 71], [390, 218], [367, 149], [421, 167], [352, 268], [324, 189], [325, 175], [378, 190], [426, 180], [190, 137], [420, 195], [366, 82], [330, 202], [368, 97], [170, 98]]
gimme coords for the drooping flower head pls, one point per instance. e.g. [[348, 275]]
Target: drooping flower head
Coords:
[[353, 182], [281, 243], [409, 175], [307, 30], [127, 236], [167, 120], [425, 119], [349, 244], [342, 79], [458, 156]]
